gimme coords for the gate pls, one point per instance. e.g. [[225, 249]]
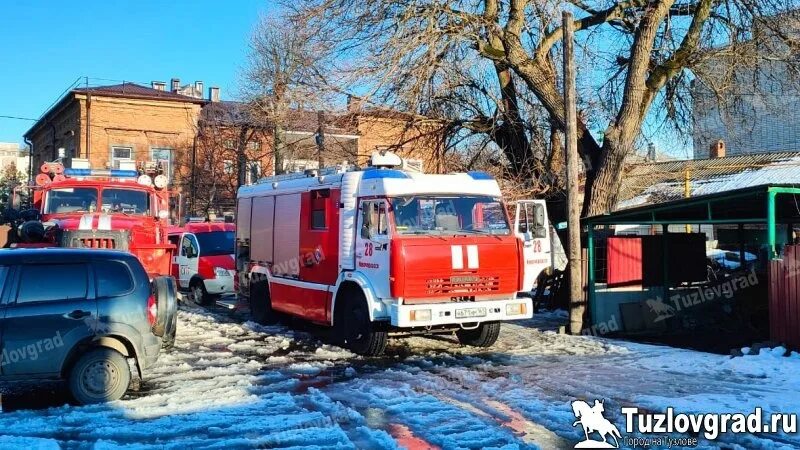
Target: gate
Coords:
[[784, 297]]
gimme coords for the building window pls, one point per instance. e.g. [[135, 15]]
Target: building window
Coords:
[[229, 143], [120, 153], [164, 156], [227, 167], [254, 145]]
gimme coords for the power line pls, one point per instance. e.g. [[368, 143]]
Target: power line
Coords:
[[17, 118]]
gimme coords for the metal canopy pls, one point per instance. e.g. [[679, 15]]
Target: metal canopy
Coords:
[[769, 204]]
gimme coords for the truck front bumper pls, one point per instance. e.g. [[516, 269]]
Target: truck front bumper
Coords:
[[219, 285], [432, 314]]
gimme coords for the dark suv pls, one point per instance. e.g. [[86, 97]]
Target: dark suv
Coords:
[[82, 315]]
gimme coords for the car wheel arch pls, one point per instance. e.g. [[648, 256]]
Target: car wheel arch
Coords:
[[113, 342]]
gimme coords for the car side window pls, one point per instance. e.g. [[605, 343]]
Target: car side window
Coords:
[[189, 246], [48, 282], [113, 278]]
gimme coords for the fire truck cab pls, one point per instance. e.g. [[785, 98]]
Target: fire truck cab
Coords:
[[382, 249], [204, 260], [122, 209]]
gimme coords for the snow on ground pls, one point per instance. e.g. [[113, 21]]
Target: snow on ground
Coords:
[[243, 385]]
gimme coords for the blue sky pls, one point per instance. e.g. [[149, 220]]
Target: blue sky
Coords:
[[46, 45]]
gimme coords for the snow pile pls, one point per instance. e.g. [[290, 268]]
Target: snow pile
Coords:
[[232, 385]]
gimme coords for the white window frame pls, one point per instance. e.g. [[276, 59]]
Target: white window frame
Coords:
[[171, 151], [114, 158]]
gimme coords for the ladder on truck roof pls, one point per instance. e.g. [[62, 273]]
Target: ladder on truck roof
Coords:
[[307, 174]]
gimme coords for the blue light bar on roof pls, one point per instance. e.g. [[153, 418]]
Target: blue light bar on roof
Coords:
[[116, 173], [478, 175], [383, 173]]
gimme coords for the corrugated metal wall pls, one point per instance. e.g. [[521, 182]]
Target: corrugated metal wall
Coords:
[[784, 298]]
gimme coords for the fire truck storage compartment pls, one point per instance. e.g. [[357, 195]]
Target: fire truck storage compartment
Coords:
[[243, 209], [261, 223], [287, 236]]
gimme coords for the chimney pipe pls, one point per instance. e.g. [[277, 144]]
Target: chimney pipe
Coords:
[[213, 94], [651, 152], [158, 85], [175, 84], [198, 89], [717, 149]]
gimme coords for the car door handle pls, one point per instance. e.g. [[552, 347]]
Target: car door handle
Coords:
[[79, 314]]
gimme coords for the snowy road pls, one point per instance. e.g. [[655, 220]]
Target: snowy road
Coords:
[[233, 385]]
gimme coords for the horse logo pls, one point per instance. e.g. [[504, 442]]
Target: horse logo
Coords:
[[661, 309], [592, 420]]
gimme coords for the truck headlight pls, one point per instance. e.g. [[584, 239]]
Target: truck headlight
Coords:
[[420, 315], [515, 309], [221, 272]]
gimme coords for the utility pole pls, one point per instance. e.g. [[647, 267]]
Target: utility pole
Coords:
[[576, 304], [320, 138]]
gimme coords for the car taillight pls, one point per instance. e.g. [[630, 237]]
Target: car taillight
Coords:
[[152, 310]]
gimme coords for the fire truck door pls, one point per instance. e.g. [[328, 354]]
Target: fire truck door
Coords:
[[188, 259], [530, 225], [372, 245]]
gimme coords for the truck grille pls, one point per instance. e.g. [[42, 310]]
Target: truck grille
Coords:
[[102, 239], [95, 243], [463, 283]]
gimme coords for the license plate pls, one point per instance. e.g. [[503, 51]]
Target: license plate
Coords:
[[465, 313]]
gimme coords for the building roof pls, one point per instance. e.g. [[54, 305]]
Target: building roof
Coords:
[[650, 183], [133, 90], [740, 205], [122, 90]]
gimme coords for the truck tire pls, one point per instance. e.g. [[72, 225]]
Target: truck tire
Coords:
[[353, 328], [100, 375], [165, 291], [199, 293], [261, 304], [484, 336]]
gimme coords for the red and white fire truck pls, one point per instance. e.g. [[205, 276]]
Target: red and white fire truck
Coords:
[[123, 209], [204, 259], [382, 250]]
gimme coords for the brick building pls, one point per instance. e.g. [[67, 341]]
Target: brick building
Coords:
[[212, 146]]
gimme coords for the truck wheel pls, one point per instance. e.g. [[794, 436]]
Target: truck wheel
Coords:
[[261, 304], [484, 336], [199, 293], [100, 375], [353, 328]]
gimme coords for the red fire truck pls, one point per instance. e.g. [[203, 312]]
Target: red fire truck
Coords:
[[123, 209], [381, 250], [204, 259]]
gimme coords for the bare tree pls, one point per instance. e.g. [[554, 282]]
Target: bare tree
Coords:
[[486, 66], [286, 70]]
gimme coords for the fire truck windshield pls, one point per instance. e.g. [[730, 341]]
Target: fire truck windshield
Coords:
[[126, 201], [423, 214], [71, 200], [216, 243], [85, 200]]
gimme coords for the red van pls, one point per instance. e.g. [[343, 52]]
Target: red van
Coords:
[[204, 260]]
